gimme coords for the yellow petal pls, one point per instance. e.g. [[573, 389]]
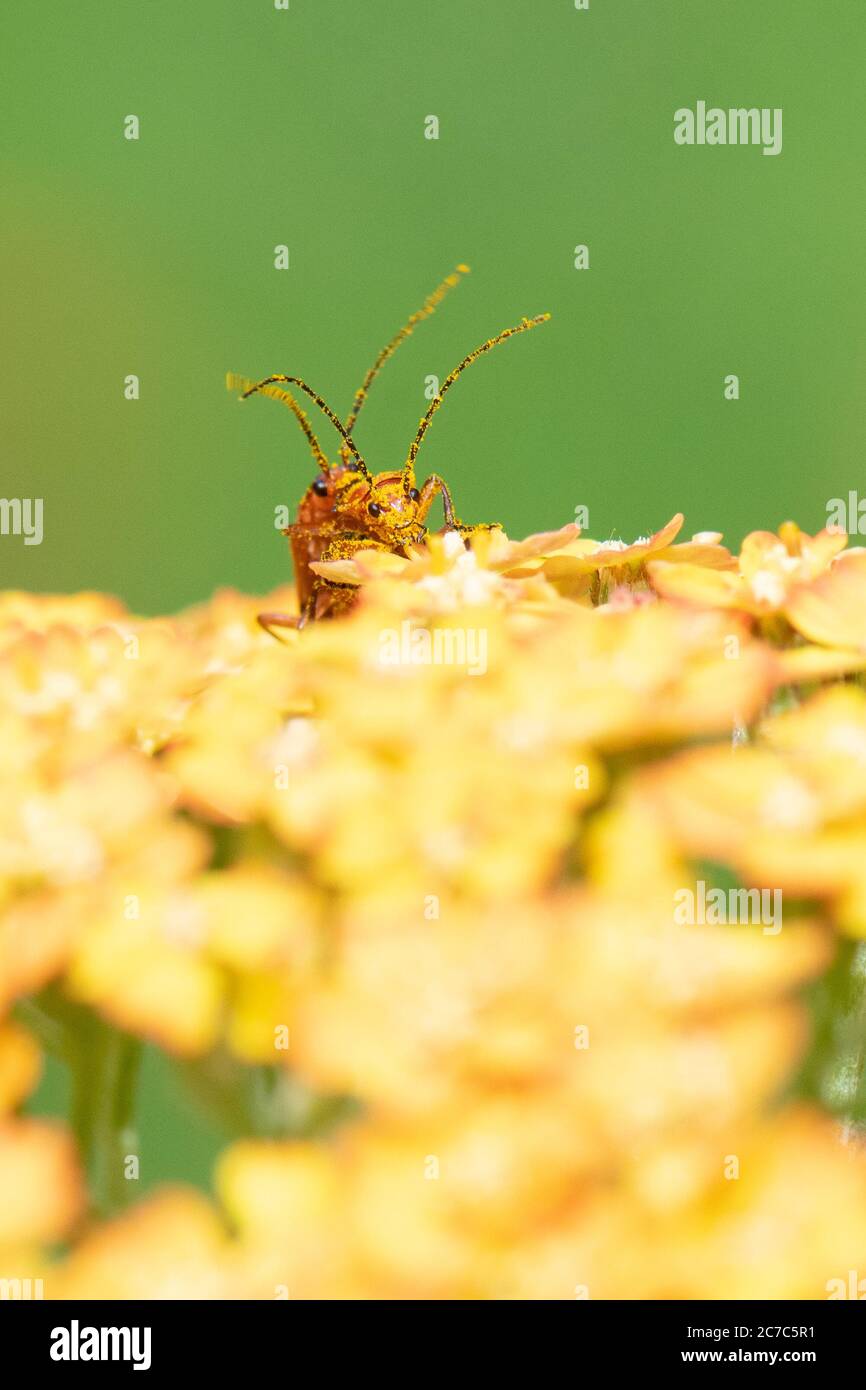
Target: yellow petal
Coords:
[[832, 609], [41, 1191]]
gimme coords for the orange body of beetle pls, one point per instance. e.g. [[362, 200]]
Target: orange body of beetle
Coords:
[[347, 508]]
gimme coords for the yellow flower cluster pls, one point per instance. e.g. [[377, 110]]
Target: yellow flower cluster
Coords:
[[422, 870]]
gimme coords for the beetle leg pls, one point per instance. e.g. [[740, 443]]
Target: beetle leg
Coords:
[[473, 527], [436, 485], [269, 621], [433, 487]]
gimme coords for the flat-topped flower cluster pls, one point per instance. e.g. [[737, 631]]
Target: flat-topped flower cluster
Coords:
[[418, 928]]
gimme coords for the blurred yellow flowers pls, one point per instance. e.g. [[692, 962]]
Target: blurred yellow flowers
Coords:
[[399, 891]]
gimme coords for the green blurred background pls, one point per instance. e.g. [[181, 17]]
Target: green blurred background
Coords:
[[306, 127]]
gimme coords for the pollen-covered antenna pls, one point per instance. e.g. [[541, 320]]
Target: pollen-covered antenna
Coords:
[[359, 465], [276, 393], [409, 465], [430, 304]]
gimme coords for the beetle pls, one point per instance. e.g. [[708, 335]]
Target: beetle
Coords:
[[347, 508]]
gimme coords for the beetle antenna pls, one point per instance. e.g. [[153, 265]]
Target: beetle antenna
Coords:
[[359, 465], [429, 306], [409, 465], [276, 393]]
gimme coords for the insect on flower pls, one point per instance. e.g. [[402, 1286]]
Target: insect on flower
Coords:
[[347, 508]]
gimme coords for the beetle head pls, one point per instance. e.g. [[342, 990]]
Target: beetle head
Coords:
[[382, 505]]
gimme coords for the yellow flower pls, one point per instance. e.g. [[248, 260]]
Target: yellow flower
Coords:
[[832, 610], [20, 1065], [774, 573], [603, 568], [40, 1183], [405, 886], [68, 844], [774, 1211], [790, 1226], [171, 1246], [22, 612], [224, 631], [161, 959], [446, 574], [73, 696], [287, 1203], [788, 812]]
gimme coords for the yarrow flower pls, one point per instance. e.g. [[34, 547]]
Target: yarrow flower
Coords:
[[396, 896]]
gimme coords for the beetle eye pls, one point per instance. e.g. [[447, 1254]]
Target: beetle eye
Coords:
[[414, 494], [374, 509], [320, 487]]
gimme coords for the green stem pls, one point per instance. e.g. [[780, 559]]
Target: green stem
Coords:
[[855, 1038], [104, 1065], [118, 1138], [833, 1071]]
